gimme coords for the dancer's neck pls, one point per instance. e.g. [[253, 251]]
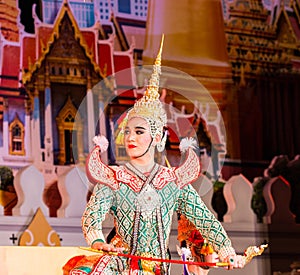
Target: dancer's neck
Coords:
[[144, 167]]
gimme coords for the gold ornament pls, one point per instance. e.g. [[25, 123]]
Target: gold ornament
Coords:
[[149, 107], [147, 266], [253, 251]]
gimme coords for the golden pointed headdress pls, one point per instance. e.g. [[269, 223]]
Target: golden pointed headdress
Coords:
[[149, 107]]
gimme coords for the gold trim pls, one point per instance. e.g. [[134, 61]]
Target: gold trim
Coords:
[[120, 34]]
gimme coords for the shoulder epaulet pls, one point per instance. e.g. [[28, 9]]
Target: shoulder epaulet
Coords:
[[98, 172], [190, 169]]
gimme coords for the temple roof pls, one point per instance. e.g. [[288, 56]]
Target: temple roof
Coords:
[[46, 34], [292, 22]]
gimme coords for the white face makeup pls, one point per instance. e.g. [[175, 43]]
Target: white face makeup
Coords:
[[137, 137]]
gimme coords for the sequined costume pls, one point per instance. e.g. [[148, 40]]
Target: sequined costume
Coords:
[[143, 208]]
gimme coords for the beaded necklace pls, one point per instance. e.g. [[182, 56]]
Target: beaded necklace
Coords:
[[148, 206]]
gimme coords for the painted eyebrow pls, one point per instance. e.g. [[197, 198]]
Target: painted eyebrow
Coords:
[[136, 127]]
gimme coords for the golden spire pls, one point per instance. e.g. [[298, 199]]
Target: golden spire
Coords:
[[153, 86], [149, 107]]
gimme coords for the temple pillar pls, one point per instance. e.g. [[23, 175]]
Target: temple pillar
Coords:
[[48, 139], [36, 132], [90, 111], [27, 138], [80, 149], [5, 128], [102, 123]]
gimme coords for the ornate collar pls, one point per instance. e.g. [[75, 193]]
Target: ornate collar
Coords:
[[138, 173], [159, 177]]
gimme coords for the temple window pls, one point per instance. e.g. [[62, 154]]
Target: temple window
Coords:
[[69, 118], [70, 134], [16, 133]]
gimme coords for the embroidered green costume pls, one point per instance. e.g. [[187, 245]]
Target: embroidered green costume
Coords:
[[143, 208]]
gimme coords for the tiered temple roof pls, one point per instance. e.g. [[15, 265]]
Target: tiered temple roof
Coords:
[[254, 46]]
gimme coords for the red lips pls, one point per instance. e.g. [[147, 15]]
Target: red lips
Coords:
[[131, 146]]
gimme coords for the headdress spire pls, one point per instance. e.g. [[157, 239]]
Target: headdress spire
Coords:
[[149, 107], [151, 97], [153, 85]]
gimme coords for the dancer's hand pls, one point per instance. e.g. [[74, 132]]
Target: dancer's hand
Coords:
[[106, 247], [212, 258], [235, 261]]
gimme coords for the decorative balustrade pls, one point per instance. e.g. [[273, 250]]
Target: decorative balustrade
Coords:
[[279, 228]]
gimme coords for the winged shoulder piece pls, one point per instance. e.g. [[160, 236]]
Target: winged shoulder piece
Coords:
[[98, 172], [190, 169]]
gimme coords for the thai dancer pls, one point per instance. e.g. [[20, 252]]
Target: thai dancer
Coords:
[[142, 196]]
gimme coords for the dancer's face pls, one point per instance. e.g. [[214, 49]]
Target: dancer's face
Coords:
[[137, 137]]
